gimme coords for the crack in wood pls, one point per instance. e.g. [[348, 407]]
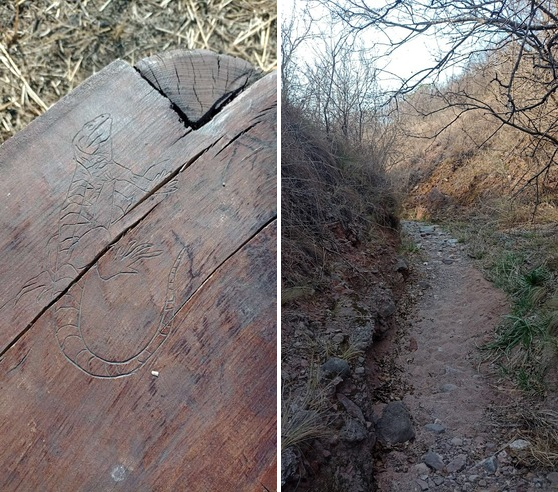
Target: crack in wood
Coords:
[[243, 77], [19, 364], [77, 351], [94, 170], [78, 277], [223, 263]]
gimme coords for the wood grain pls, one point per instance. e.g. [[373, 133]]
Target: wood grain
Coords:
[[198, 82], [138, 292]]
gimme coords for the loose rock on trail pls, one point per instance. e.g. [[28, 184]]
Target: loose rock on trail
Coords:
[[456, 446]]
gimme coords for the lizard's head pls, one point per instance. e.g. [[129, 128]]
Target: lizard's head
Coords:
[[94, 137]]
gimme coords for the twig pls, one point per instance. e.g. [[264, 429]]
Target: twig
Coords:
[[12, 67]]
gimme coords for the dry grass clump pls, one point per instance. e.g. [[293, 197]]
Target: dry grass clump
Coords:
[[48, 47], [535, 424], [541, 426], [304, 414], [329, 193]]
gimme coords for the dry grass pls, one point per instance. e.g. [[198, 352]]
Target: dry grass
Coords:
[[507, 222], [330, 195], [537, 425], [48, 47], [520, 261], [336, 205], [468, 156], [304, 415]]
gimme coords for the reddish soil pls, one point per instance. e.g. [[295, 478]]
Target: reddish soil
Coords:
[[453, 310]]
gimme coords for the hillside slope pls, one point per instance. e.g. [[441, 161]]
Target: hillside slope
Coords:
[[340, 280]]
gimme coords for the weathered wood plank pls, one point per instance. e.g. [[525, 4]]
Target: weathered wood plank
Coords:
[[140, 145], [205, 420], [40, 172], [151, 366]]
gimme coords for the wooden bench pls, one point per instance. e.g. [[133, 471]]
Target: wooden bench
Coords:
[[138, 283]]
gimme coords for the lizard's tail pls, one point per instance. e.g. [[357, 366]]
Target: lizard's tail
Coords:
[[73, 346]]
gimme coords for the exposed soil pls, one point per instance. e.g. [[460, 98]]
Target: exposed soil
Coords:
[[337, 322], [426, 356], [450, 311]]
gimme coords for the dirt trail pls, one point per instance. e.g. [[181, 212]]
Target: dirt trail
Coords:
[[455, 311]]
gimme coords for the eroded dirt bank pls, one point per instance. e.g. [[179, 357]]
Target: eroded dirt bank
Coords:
[[458, 445]]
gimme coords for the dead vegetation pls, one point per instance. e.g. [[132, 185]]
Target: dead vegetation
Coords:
[[536, 425], [339, 223], [329, 191], [48, 47], [477, 152]]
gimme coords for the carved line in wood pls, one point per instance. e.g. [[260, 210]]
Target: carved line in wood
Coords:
[[68, 317], [100, 194]]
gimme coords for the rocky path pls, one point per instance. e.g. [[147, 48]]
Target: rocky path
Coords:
[[455, 447]]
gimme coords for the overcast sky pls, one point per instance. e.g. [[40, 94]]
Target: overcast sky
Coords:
[[407, 60]]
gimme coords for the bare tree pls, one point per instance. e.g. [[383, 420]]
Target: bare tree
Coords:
[[513, 42], [339, 87], [295, 31]]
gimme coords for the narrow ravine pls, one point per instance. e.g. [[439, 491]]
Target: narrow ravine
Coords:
[[449, 393]]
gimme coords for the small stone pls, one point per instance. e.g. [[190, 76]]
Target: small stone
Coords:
[[438, 481], [401, 266], [338, 338], [395, 424], [519, 444], [447, 261], [353, 431], [503, 456], [359, 370], [422, 469], [422, 484], [336, 381], [456, 441], [457, 464], [289, 464], [473, 478], [362, 337], [335, 367], [447, 388], [426, 229], [490, 464], [435, 428], [351, 407], [387, 308], [483, 483], [433, 460], [552, 477]]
